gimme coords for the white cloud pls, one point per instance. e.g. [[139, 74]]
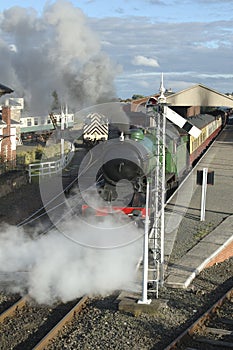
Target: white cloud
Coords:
[[144, 45], [13, 48], [145, 61]]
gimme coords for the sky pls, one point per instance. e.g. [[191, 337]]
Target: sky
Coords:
[[124, 45]]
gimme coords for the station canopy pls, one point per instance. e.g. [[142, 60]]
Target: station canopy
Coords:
[[200, 95]]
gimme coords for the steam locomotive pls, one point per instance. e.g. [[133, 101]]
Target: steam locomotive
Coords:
[[128, 160]]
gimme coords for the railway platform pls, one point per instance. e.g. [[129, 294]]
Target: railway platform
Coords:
[[191, 244]]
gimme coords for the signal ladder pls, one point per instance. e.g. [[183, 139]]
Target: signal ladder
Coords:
[[156, 203]]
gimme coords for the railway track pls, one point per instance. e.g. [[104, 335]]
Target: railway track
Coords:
[[212, 330], [26, 325], [7, 300]]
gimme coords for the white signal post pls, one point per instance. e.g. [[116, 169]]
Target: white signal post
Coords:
[[154, 238], [145, 300], [203, 193], [155, 196]]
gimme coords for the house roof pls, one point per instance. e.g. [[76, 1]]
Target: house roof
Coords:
[[201, 120], [2, 124], [13, 122], [200, 95], [5, 90]]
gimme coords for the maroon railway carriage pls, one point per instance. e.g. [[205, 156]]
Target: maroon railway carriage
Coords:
[[210, 126]]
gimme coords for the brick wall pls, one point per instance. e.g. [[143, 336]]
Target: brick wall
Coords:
[[7, 153], [193, 110], [225, 254]]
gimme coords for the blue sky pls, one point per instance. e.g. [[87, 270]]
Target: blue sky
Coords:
[[167, 10], [189, 41]]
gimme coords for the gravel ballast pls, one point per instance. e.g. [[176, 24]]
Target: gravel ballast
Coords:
[[102, 326]]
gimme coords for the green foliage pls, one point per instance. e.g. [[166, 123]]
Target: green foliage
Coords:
[[204, 229], [137, 97], [206, 109], [28, 156], [53, 152], [40, 153]]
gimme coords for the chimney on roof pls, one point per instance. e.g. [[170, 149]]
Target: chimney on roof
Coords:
[[8, 146], [6, 114]]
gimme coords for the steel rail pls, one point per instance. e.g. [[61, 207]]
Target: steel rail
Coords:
[[200, 321], [10, 311], [67, 318]]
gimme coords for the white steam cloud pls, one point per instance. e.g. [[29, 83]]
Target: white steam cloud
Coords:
[[56, 51], [54, 267]]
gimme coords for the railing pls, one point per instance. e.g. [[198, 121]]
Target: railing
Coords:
[[49, 168]]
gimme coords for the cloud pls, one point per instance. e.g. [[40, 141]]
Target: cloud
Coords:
[[183, 42], [145, 61], [185, 48]]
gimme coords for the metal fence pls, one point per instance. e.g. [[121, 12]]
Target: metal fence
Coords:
[[49, 168]]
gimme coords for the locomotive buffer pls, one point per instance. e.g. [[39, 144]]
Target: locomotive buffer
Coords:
[[154, 239]]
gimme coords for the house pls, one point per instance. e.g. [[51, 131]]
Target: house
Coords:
[[8, 135], [5, 90], [8, 138]]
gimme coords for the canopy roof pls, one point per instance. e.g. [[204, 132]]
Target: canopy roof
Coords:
[[5, 90], [200, 95]]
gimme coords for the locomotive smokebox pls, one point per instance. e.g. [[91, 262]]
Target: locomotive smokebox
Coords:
[[124, 160]]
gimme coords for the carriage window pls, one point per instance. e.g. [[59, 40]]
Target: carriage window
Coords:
[[36, 121], [29, 122]]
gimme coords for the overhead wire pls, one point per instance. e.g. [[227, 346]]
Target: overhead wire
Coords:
[[27, 220]]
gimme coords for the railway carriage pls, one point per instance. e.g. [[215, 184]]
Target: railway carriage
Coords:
[[210, 126], [32, 127]]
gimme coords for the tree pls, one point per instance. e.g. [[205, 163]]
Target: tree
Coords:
[[137, 97]]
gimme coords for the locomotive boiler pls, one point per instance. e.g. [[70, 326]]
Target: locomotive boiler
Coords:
[[127, 163], [131, 157]]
